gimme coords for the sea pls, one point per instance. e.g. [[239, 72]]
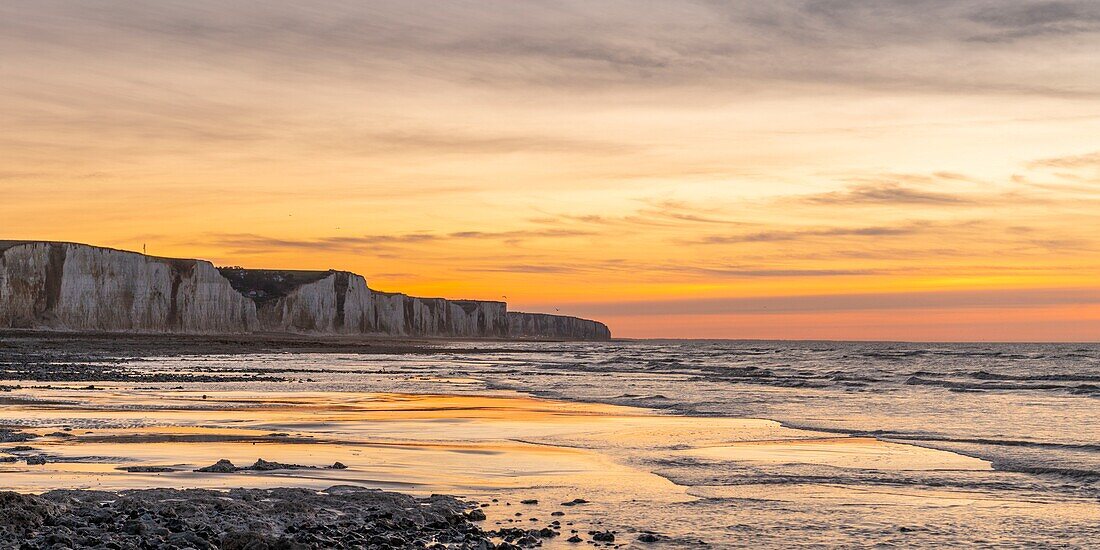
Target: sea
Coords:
[[738, 444]]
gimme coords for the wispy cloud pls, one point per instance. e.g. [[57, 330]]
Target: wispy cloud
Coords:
[[574, 44], [999, 298], [1088, 160], [457, 142], [252, 243], [1024, 20], [886, 193], [777, 235]]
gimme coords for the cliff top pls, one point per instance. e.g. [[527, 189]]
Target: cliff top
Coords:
[[263, 285]]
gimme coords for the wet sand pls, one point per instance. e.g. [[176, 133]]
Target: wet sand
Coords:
[[509, 448]]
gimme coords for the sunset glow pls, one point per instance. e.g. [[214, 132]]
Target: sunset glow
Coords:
[[889, 170]]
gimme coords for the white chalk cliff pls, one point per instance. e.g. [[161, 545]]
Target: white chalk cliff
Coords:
[[76, 287]]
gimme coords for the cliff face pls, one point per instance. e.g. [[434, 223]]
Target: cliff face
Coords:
[[544, 326], [76, 287], [66, 286], [338, 302]]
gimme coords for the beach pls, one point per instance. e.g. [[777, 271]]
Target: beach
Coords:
[[575, 441]]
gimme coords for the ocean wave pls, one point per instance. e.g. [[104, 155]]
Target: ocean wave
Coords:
[[1071, 473], [985, 375], [970, 386], [1094, 447]]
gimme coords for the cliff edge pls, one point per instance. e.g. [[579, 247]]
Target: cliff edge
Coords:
[[77, 287]]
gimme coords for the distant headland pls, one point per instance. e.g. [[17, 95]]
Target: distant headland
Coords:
[[82, 288]]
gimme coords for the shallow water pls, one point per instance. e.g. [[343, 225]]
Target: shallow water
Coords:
[[731, 443]]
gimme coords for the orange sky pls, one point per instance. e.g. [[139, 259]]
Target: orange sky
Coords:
[[848, 170]]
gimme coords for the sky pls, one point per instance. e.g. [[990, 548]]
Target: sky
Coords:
[[833, 169]]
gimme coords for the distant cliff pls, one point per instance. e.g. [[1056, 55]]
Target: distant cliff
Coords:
[[75, 287]]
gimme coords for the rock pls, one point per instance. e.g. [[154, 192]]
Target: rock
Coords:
[[24, 512], [222, 466], [36, 460], [146, 469], [557, 513], [338, 466], [187, 539], [529, 501], [251, 540], [14, 436], [575, 502], [648, 537], [475, 515], [262, 465], [602, 536], [574, 539], [253, 519], [133, 527]]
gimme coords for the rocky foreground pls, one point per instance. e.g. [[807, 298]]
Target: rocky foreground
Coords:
[[253, 519]]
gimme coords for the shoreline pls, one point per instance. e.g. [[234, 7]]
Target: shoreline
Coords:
[[246, 343]]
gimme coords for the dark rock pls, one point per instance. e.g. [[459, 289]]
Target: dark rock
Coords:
[[222, 466], [133, 527], [188, 539], [602, 536], [24, 512], [338, 466], [145, 469], [262, 465], [529, 501], [254, 519], [648, 537], [13, 436], [475, 515], [36, 460], [574, 538]]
